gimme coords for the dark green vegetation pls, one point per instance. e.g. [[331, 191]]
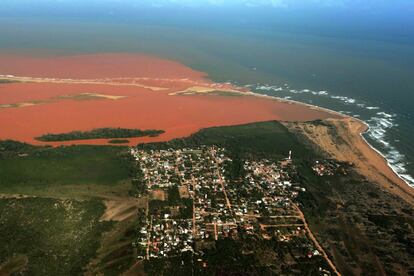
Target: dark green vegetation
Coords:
[[259, 257], [48, 236], [180, 265], [264, 139], [240, 257], [4, 81], [118, 141], [27, 169], [99, 133], [10, 148]]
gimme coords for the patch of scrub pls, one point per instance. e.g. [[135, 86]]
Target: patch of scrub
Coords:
[[43, 236]]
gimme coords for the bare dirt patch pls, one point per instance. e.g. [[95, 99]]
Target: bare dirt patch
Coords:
[[183, 190], [121, 209], [158, 195]]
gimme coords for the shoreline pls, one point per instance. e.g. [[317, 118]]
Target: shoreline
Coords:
[[404, 186], [344, 116], [383, 156], [356, 150]]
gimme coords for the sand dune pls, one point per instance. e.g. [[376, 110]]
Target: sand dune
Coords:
[[354, 149]]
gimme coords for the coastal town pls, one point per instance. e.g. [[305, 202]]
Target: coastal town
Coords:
[[194, 201]]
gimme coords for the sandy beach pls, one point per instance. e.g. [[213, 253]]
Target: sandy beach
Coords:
[[342, 139]]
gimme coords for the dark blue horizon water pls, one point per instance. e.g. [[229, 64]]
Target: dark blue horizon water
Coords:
[[359, 70]]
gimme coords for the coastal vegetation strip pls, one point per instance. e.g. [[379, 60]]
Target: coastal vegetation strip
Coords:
[[99, 133]]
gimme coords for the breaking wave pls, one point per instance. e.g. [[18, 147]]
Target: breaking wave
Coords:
[[379, 122]]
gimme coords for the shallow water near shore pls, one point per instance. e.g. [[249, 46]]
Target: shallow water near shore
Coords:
[[382, 134], [369, 79]]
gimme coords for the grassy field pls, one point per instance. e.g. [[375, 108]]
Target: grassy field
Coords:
[[57, 167], [41, 236]]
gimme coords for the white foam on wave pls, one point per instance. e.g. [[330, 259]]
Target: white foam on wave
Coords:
[[379, 125], [323, 93], [320, 93], [408, 178], [344, 99], [386, 115]]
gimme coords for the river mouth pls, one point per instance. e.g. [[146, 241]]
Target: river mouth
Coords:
[[153, 94]]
